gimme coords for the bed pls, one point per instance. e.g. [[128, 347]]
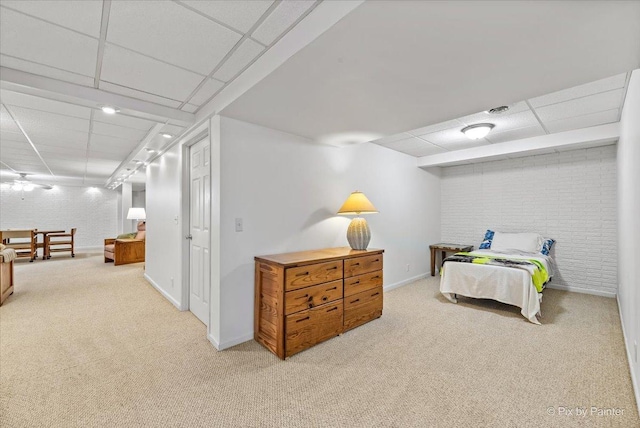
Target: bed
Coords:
[[510, 272]]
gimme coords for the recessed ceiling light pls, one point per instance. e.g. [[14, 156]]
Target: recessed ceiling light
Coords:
[[165, 135], [498, 110], [477, 131], [109, 110]]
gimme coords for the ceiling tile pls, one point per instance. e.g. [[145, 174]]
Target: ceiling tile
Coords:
[[44, 104], [35, 120], [246, 53], [603, 85], [392, 138], [453, 139], [515, 134], [82, 16], [61, 137], [415, 147], [520, 108], [208, 89], [45, 70], [28, 38], [98, 140], [239, 14], [118, 131], [70, 152], [436, 127], [581, 106], [126, 68], [12, 136], [585, 121], [171, 33], [123, 120], [6, 122], [282, 17], [118, 89]]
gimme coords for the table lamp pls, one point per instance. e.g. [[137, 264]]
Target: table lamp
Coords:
[[136, 214], [358, 233]]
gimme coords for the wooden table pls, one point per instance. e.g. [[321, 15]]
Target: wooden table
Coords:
[[44, 233], [451, 248]]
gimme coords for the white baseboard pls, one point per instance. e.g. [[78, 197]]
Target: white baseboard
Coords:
[[164, 293], [636, 389], [404, 282], [601, 293], [229, 343]]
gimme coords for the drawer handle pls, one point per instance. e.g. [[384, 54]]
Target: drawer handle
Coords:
[[310, 305], [302, 274], [357, 300], [302, 297], [375, 294], [355, 264], [332, 309], [374, 277], [335, 267], [376, 260], [357, 282], [324, 298], [332, 288], [302, 319]]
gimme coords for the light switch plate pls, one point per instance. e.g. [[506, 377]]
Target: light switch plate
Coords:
[[238, 224]]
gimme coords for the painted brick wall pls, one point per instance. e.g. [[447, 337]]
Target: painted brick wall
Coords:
[[93, 211], [568, 196]]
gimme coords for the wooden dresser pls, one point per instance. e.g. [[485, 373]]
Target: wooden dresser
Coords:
[[307, 297]]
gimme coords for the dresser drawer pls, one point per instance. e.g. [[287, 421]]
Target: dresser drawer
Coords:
[[362, 307], [360, 283], [304, 276], [360, 265], [310, 297], [305, 329]]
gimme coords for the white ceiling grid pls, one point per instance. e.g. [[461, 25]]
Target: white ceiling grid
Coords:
[[583, 106], [179, 54]]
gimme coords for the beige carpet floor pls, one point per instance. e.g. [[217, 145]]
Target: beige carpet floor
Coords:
[[86, 344]]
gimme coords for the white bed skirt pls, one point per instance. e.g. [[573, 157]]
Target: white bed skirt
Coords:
[[510, 286]]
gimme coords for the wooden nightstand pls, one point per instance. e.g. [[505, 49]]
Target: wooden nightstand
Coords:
[[445, 248]]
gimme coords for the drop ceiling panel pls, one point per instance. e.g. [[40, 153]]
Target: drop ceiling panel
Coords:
[[603, 85], [107, 156], [34, 40], [246, 53], [29, 167], [415, 147], [171, 33], [518, 112], [208, 89], [453, 139], [285, 15], [6, 122], [45, 70], [107, 141], [585, 121], [436, 127], [124, 121], [581, 106], [239, 14], [122, 90], [12, 136], [82, 16], [44, 104], [515, 134], [126, 68], [59, 137], [392, 138], [43, 121], [118, 131], [70, 152], [14, 145]]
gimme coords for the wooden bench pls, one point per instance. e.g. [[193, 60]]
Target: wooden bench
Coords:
[[21, 240]]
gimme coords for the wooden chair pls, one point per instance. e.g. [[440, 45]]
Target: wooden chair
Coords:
[[60, 242], [22, 241], [126, 250]]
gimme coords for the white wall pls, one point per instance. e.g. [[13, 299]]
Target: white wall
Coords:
[[163, 257], [629, 224], [138, 199], [568, 196], [287, 191], [93, 211]]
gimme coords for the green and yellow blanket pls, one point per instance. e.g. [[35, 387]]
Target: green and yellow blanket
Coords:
[[538, 272]]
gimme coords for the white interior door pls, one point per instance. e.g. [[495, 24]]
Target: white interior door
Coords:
[[199, 230]]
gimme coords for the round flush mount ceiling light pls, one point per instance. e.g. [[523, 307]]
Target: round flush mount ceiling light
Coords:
[[109, 110], [165, 135], [477, 131]]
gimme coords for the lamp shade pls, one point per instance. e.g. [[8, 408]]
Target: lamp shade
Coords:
[[356, 204], [136, 214]]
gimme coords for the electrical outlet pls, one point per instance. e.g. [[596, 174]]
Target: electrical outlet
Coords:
[[238, 225], [408, 267]]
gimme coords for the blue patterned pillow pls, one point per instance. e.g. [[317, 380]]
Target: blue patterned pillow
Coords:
[[486, 242], [547, 243]]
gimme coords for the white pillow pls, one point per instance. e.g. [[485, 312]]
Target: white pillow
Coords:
[[527, 242]]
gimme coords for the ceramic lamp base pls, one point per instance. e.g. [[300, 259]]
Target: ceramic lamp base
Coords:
[[358, 234]]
